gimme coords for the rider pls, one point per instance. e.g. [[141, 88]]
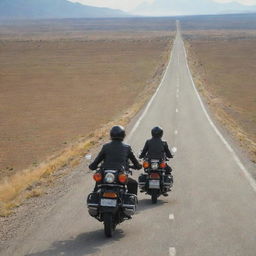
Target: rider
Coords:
[[116, 155], [156, 148]]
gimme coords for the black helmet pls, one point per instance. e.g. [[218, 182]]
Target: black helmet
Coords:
[[157, 132], [117, 133]]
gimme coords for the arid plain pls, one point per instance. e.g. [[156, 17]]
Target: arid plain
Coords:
[[222, 57], [61, 80]]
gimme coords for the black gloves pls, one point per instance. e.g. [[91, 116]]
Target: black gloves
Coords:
[[92, 167], [138, 167]]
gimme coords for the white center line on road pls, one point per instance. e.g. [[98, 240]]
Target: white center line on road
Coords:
[[136, 125], [174, 150], [171, 216], [175, 132], [177, 110], [172, 251], [178, 82]]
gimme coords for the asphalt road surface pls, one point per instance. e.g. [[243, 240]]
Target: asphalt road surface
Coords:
[[211, 211]]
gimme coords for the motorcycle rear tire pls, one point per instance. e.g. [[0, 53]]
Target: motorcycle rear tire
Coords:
[[154, 196], [108, 224]]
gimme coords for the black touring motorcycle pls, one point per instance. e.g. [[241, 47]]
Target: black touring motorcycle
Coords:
[[155, 181], [111, 204]]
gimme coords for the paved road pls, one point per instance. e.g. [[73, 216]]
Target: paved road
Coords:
[[211, 212]]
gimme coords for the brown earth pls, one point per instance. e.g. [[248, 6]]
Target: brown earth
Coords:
[[55, 91], [223, 64]]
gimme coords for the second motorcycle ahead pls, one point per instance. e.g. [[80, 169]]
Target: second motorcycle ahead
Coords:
[[155, 182]]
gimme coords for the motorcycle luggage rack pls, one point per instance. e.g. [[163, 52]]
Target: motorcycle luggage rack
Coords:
[[110, 185]]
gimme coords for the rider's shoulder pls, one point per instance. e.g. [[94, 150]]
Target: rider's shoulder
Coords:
[[107, 144], [126, 145]]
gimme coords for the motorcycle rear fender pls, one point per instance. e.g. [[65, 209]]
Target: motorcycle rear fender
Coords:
[[112, 210]]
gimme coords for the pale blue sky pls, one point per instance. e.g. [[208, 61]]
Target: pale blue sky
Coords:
[[128, 5]]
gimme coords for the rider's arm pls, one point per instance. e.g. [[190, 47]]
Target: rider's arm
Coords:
[[98, 159], [134, 160], [144, 151], [167, 150]]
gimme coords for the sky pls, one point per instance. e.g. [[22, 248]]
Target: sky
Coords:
[[128, 5], [125, 5]]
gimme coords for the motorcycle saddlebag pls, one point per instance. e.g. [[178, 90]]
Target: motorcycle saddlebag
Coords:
[[142, 181], [129, 204], [168, 181], [93, 202]]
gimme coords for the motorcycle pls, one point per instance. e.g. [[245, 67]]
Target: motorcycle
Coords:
[[110, 203], [155, 181]]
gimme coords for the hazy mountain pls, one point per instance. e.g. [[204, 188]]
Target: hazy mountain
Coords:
[[188, 7], [40, 9]]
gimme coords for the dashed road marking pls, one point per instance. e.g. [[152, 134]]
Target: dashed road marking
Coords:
[[172, 251], [174, 150], [136, 125], [171, 216], [178, 82], [177, 110], [175, 132]]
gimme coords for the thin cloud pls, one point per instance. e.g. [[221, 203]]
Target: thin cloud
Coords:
[[244, 2]]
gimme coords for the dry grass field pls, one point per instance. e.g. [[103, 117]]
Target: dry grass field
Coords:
[[63, 84], [61, 80], [223, 63]]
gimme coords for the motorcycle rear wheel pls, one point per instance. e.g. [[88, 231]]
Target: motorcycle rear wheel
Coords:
[[154, 196], [108, 224]]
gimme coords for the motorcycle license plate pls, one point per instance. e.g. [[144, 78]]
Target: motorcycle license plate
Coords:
[[154, 184], [108, 202]]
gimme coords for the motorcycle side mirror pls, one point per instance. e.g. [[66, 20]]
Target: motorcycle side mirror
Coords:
[[174, 150]]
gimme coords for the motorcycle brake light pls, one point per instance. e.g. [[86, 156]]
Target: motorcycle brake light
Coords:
[[97, 177], [154, 176], [145, 165], [110, 195], [163, 165], [122, 178]]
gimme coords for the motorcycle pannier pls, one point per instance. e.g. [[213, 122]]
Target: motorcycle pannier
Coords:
[[129, 204], [168, 180], [93, 201], [142, 180]]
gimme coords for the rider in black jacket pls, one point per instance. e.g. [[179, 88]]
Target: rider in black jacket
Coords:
[[115, 155], [155, 148]]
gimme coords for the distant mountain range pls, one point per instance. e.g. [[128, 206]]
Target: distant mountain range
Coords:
[[45, 9], [190, 7]]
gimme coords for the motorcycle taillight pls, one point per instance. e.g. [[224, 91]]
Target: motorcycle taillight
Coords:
[[154, 176], [163, 165], [97, 177], [145, 164], [123, 178], [110, 195]]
